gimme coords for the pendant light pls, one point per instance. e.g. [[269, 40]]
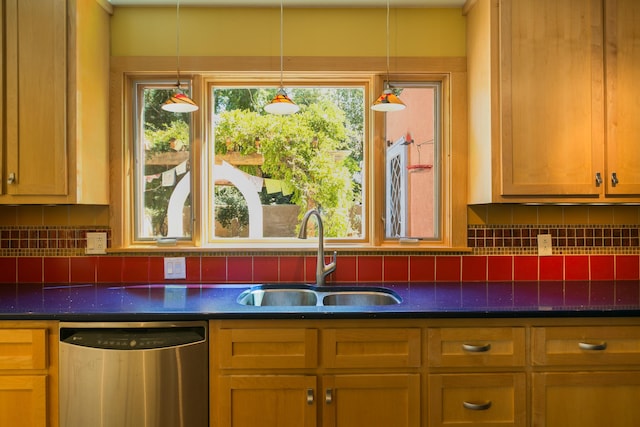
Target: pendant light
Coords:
[[179, 102], [281, 104], [388, 101]]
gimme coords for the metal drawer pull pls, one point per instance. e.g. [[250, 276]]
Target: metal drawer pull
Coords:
[[310, 396], [593, 346], [12, 178], [476, 348], [328, 396], [477, 406]]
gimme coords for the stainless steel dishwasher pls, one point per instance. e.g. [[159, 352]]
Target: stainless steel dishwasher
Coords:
[[125, 374]]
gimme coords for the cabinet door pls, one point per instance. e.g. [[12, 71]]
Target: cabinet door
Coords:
[[36, 100], [552, 95], [23, 401], [586, 399], [375, 400], [623, 92], [478, 400], [266, 401]]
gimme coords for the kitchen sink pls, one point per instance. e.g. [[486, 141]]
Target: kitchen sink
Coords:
[[278, 297], [307, 295], [360, 298]]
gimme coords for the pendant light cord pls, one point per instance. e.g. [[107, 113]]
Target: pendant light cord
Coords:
[[178, 41], [388, 50], [281, 42]]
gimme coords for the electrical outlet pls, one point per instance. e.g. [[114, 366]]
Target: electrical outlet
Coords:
[[96, 243], [544, 244], [175, 268]]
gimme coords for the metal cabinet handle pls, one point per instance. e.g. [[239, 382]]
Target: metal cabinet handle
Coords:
[[593, 346], [614, 179], [476, 348], [310, 396], [11, 178], [598, 179], [477, 406], [328, 396]]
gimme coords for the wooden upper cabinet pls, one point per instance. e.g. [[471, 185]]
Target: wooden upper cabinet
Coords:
[[56, 102], [553, 100], [36, 97], [623, 91], [552, 96]]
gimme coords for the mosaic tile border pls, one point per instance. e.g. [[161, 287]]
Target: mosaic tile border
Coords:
[[46, 240], [574, 239], [481, 239]]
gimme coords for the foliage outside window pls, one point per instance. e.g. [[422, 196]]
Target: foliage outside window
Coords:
[[312, 159]]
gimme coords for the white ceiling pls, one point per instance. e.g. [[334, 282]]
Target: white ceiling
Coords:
[[294, 3]]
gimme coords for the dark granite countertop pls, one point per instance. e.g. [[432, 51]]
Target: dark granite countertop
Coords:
[[106, 302]]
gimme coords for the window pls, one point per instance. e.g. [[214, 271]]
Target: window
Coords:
[[162, 157], [231, 175], [413, 164], [266, 171]]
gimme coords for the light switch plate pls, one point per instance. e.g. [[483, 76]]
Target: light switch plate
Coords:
[[544, 244], [96, 243], [175, 268]]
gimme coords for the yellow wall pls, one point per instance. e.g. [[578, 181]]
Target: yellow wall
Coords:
[[150, 31]]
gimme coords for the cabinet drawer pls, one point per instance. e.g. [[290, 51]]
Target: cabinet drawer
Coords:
[[477, 399], [23, 349], [371, 348], [586, 345], [267, 348], [476, 347]]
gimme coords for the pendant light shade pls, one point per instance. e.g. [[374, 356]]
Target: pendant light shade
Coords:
[[179, 102], [388, 101], [281, 104]]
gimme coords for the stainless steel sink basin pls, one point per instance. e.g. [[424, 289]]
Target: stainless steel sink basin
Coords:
[[360, 298], [306, 295], [278, 297]]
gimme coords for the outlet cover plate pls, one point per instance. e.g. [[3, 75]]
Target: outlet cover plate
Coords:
[[96, 243], [544, 244], [175, 268]]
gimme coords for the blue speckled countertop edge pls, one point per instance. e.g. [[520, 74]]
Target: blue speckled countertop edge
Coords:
[[144, 302]]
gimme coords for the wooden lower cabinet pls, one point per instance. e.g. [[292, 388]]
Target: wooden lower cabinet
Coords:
[[372, 400], [23, 400], [519, 372], [297, 401], [28, 374], [586, 399], [267, 401], [494, 399]]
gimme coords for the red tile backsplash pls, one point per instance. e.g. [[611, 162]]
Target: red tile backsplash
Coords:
[[525, 268], [30, 270], [396, 268], [474, 268], [370, 268], [551, 268], [422, 268], [500, 268], [56, 269], [8, 270], [351, 268], [265, 269], [448, 268], [576, 267]]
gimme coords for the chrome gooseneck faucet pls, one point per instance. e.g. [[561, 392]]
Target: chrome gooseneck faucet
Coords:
[[322, 269]]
